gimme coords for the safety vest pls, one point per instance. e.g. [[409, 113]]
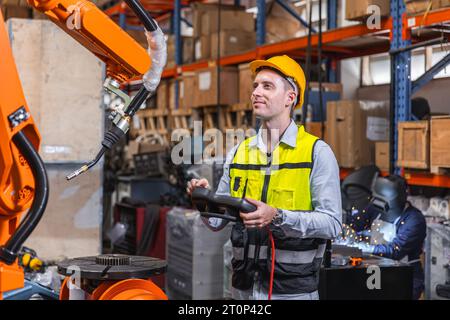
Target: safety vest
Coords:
[[281, 181]]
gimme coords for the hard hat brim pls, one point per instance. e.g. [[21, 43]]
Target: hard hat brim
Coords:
[[256, 64]]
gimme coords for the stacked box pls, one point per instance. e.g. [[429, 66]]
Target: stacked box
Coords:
[[413, 144], [245, 83], [236, 32], [353, 127], [280, 24], [440, 143], [187, 44], [206, 86], [418, 6], [358, 9], [187, 85], [231, 42], [382, 155]]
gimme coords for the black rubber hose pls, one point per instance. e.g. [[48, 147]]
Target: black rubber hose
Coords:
[[8, 252], [142, 14], [137, 101]]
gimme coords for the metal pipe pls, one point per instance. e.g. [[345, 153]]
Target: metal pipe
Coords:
[[419, 45]]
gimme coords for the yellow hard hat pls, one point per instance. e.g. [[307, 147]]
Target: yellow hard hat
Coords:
[[289, 68]]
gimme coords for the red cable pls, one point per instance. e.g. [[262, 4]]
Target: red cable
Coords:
[[272, 243]]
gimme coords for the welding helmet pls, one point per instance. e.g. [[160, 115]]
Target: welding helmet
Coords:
[[389, 197]]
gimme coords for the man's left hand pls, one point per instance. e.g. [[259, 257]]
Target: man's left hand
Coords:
[[261, 217]]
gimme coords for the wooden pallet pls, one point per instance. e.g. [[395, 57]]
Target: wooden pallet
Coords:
[[211, 116], [240, 116], [154, 120], [179, 119]]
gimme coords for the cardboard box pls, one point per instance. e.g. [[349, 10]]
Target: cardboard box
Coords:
[[245, 83], [413, 144], [232, 42], [16, 11], [202, 48], [187, 47], [357, 9], [162, 95], [188, 50], [17, 3], [207, 81], [201, 9], [440, 143], [352, 127], [170, 43], [187, 87], [419, 6], [315, 128], [229, 21], [438, 4], [172, 93], [382, 155]]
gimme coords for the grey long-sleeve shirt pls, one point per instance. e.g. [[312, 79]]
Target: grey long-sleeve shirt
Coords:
[[325, 221]]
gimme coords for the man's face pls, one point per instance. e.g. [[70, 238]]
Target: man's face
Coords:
[[272, 96]]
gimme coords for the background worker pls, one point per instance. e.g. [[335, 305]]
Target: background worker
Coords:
[[397, 229], [292, 177]]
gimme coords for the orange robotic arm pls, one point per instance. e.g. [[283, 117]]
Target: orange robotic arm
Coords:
[[123, 56], [87, 24], [23, 180]]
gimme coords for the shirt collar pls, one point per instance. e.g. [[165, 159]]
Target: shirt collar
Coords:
[[289, 137]]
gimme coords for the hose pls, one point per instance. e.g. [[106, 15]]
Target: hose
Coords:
[[9, 252]]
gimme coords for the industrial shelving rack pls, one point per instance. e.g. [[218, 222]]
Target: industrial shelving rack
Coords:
[[397, 34]]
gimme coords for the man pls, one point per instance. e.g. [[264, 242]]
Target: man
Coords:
[[397, 229], [292, 178]]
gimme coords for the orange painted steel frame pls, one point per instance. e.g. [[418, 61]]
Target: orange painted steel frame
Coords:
[[124, 59], [16, 179]]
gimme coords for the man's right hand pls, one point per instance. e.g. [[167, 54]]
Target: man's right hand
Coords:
[[194, 183]]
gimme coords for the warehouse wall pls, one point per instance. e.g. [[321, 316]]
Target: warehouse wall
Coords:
[[62, 83], [350, 78], [71, 224], [435, 92]]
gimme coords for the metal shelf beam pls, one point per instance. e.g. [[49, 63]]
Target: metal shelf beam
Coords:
[[400, 89], [429, 75]]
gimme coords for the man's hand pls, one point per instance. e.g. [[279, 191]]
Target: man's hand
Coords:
[[194, 183], [261, 217]]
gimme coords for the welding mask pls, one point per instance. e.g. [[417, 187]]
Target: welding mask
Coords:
[[389, 197]]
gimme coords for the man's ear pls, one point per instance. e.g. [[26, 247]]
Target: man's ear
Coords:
[[291, 96]]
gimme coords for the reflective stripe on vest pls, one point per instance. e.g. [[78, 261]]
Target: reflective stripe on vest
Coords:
[[282, 256]]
